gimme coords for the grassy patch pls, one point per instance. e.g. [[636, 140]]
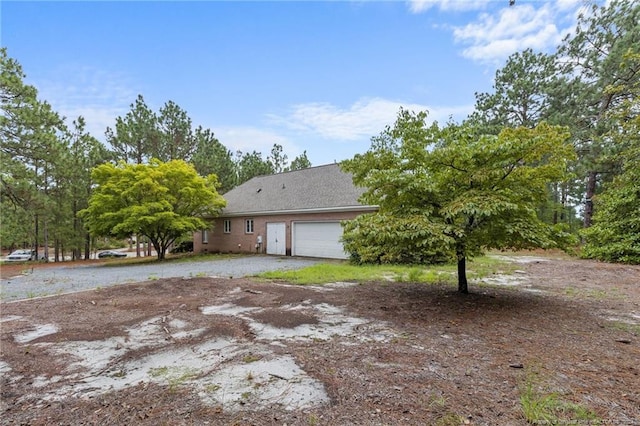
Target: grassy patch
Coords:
[[251, 358], [450, 419], [624, 326], [175, 376], [549, 408], [344, 271], [596, 294]]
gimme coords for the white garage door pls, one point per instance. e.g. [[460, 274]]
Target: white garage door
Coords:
[[318, 239]]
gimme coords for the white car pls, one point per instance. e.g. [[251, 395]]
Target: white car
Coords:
[[21, 255]]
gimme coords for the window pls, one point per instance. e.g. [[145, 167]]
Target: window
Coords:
[[248, 228], [205, 236], [227, 226]]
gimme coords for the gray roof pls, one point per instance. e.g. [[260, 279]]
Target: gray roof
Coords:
[[322, 188]]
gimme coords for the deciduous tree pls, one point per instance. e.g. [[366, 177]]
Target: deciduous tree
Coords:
[[452, 192], [162, 201]]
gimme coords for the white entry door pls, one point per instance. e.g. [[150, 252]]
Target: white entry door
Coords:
[[276, 238]]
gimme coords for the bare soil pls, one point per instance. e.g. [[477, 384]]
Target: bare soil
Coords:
[[247, 352]]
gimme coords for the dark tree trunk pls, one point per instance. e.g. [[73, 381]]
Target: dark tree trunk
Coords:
[[590, 192], [87, 247], [555, 203], [563, 214], [462, 274]]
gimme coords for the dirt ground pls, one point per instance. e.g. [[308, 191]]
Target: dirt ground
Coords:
[[244, 352]]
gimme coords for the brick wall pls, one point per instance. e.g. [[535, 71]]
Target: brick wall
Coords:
[[240, 241]]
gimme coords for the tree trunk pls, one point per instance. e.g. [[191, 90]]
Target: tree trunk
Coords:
[[87, 247], [563, 213], [590, 192], [45, 239], [137, 245], [462, 274], [555, 203], [35, 244]]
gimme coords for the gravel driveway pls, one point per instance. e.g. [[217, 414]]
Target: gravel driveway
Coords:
[[43, 282]]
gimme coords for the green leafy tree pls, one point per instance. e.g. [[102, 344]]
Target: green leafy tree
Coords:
[[85, 153], [300, 162], [590, 59], [522, 92], [615, 234], [175, 139], [212, 157], [278, 159], [135, 135], [525, 94], [31, 148], [162, 201], [250, 165], [452, 192], [16, 228]]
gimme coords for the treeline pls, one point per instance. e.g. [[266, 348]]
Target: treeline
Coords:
[[591, 85], [46, 162], [169, 134]]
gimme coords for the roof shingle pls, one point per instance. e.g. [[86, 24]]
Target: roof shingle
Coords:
[[314, 188]]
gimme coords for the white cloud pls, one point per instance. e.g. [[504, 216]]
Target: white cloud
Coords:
[[365, 118], [419, 6], [494, 37], [502, 30], [248, 139], [97, 95]]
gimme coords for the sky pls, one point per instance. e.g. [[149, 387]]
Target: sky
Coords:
[[316, 76]]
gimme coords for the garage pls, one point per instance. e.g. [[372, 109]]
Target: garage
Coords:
[[318, 239]]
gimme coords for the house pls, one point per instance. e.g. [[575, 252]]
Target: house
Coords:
[[294, 213]]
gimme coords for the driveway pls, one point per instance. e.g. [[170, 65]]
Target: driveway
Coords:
[[42, 282]]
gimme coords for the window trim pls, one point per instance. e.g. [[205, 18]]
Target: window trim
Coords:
[[205, 236], [248, 226], [226, 226]]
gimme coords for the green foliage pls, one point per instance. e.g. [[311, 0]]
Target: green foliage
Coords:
[[615, 234], [300, 162], [452, 192], [15, 228], [388, 238], [134, 134], [278, 159], [348, 272], [34, 153], [592, 61], [250, 165], [522, 93], [46, 164], [549, 408], [212, 157], [175, 139], [162, 201]]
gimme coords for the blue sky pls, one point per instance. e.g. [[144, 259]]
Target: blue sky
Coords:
[[320, 76]]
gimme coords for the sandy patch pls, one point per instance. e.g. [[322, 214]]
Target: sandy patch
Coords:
[[228, 372]]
